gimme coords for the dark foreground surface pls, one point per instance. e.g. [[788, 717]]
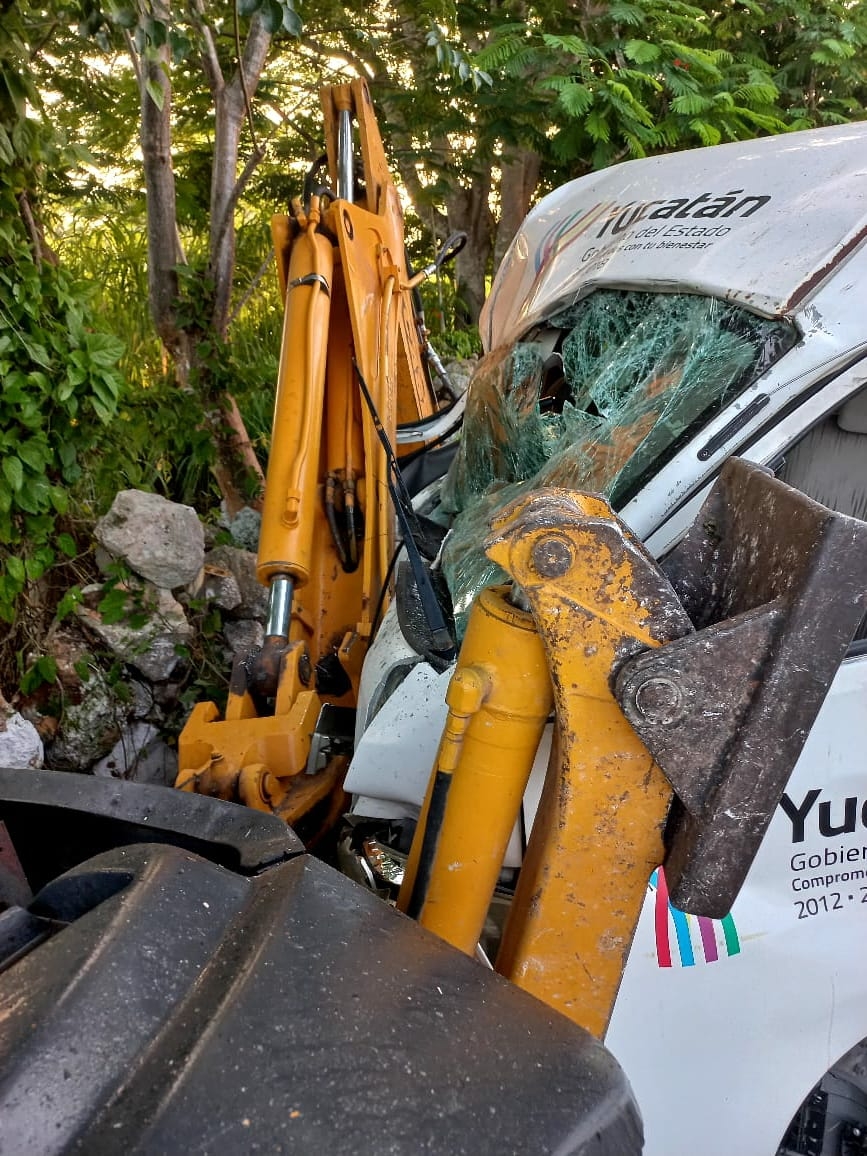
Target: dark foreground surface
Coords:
[[216, 990]]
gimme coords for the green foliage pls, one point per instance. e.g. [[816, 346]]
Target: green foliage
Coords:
[[651, 75], [60, 390], [159, 440], [107, 250], [153, 28], [42, 672], [68, 603], [814, 52], [459, 343], [157, 443], [125, 599], [455, 61], [646, 76]]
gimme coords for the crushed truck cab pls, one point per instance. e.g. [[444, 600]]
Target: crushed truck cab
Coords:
[[649, 322]]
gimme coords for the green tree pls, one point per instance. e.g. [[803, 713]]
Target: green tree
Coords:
[[213, 57], [58, 369], [576, 87], [814, 52]]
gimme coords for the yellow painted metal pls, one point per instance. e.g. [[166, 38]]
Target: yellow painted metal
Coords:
[[342, 273], [214, 753], [499, 700], [286, 539], [596, 597]]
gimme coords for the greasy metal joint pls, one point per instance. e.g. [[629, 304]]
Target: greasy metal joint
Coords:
[[552, 556], [263, 668], [305, 668], [657, 700], [257, 787]]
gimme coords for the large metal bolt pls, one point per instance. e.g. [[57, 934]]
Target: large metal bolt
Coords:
[[551, 557], [658, 700]]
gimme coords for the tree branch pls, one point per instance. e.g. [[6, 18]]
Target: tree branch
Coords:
[[243, 78], [133, 55], [211, 61], [251, 288], [255, 52], [41, 250], [361, 66], [286, 120], [253, 162]]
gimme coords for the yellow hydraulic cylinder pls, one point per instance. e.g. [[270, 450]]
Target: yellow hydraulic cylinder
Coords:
[[499, 700], [597, 598], [286, 539]]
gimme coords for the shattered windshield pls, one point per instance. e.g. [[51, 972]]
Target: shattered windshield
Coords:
[[620, 383]]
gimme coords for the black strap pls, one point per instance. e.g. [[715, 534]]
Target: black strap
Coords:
[[443, 643]]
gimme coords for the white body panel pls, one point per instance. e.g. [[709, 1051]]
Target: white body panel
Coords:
[[393, 760], [721, 1054]]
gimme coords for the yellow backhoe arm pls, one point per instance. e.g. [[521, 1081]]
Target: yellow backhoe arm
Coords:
[[327, 529], [683, 697]]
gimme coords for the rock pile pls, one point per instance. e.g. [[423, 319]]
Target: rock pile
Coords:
[[122, 661]]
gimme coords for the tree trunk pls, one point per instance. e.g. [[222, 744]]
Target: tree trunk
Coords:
[[469, 211], [236, 461], [231, 103], [221, 263], [156, 144], [519, 176]]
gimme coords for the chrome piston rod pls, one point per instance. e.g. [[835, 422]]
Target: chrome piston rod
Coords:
[[344, 156], [279, 606]]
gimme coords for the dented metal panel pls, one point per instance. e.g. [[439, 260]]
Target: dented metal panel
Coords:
[[761, 223]]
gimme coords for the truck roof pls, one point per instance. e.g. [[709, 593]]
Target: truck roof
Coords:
[[760, 222]]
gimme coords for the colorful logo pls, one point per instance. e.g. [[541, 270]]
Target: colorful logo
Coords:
[[565, 232], [714, 935]]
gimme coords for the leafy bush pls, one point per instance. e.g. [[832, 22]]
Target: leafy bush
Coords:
[[459, 343], [60, 388]]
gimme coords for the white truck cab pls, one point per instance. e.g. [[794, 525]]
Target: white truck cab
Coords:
[[672, 312]]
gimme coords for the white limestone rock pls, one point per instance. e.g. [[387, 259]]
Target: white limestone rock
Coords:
[[88, 729], [245, 528], [150, 648], [460, 373], [20, 744], [244, 636], [162, 541], [216, 585], [141, 756], [242, 564]]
